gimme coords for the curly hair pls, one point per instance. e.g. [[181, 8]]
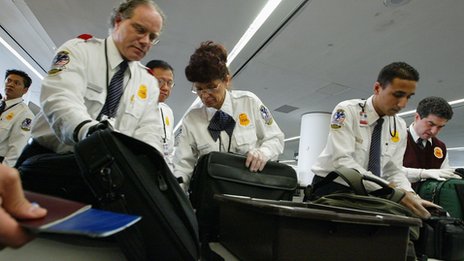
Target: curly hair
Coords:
[[207, 63], [436, 106], [399, 70]]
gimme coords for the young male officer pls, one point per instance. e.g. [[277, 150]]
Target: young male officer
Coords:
[[350, 138], [426, 155], [15, 117], [164, 73]]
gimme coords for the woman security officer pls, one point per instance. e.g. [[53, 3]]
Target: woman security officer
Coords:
[[228, 121]]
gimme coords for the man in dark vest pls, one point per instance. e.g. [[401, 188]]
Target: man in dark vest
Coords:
[[426, 156]]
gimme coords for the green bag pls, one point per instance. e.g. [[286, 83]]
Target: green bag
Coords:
[[383, 200], [449, 194]]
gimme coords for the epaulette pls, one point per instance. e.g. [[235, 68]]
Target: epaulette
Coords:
[[150, 71], [85, 37]]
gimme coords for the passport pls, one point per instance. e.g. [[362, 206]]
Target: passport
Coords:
[[71, 217]]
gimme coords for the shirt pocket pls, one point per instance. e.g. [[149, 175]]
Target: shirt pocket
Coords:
[[4, 130], [245, 138], [95, 93]]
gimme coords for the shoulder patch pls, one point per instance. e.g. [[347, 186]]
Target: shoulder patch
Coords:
[[26, 124], [338, 119], [266, 115], [85, 37], [59, 62]]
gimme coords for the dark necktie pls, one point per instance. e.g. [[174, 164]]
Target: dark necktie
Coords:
[[374, 152], [420, 143], [115, 92], [221, 121], [2, 106]]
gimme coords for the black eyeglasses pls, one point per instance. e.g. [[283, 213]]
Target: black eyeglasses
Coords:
[[209, 89]]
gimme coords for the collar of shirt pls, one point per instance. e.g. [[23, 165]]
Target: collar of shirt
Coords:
[[226, 107], [115, 58], [8, 103], [414, 134], [372, 115]]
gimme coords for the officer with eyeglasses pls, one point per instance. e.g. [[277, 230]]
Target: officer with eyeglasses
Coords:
[[228, 120], [98, 83], [164, 73]]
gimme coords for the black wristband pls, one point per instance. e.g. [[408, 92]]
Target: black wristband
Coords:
[[180, 180], [77, 129]]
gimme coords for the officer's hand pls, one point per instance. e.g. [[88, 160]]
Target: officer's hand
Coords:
[[439, 174], [256, 160], [103, 125], [417, 205]]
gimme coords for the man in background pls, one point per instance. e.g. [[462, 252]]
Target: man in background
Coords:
[[15, 117], [426, 155], [164, 73]]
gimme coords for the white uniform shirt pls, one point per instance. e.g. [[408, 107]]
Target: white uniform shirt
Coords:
[[254, 128], [167, 138], [75, 90], [15, 129], [349, 140], [413, 173]]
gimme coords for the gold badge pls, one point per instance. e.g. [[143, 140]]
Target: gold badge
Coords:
[[9, 116], [132, 99], [142, 92], [167, 121], [244, 121], [396, 137], [438, 152]]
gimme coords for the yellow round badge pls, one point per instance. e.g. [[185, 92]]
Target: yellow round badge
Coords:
[[9, 116], [438, 152], [396, 137], [244, 121], [142, 92]]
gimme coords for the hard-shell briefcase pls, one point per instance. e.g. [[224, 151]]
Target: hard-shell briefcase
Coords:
[[226, 173]]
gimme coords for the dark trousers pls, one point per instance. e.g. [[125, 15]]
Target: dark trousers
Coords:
[[47, 172]]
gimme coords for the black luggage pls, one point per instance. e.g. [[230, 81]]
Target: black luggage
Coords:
[[226, 173], [254, 229], [441, 237], [127, 175]]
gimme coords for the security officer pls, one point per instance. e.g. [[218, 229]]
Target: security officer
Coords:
[[426, 155], [228, 121], [350, 137], [76, 94], [164, 73], [15, 117]]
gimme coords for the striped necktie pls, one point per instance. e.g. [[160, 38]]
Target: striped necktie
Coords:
[[374, 152], [115, 91]]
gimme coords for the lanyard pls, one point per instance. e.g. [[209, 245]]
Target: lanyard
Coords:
[[164, 125], [9, 107]]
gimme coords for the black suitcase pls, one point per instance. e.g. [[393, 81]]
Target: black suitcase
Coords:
[[441, 237], [226, 173], [128, 175]]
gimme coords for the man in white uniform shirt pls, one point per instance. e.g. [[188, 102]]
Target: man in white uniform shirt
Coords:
[[164, 73], [15, 117]]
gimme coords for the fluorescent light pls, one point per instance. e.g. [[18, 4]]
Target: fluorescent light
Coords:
[[455, 149], [28, 65], [406, 113], [253, 28], [292, 138]]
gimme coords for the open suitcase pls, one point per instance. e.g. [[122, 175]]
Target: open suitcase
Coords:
[[255, 229]]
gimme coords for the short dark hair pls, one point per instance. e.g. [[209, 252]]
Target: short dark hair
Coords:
[[208, 63], [160, 64], [399, 70], [436, 106], [127, 7], [27, 80]]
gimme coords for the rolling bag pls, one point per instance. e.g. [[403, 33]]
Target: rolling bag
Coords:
[[127, 175], [255, 229], [449, 194], [226, 173]]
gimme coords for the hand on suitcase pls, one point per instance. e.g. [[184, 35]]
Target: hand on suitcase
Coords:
[[438, 174], [256, 160], [103, 125], [417, 205]]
